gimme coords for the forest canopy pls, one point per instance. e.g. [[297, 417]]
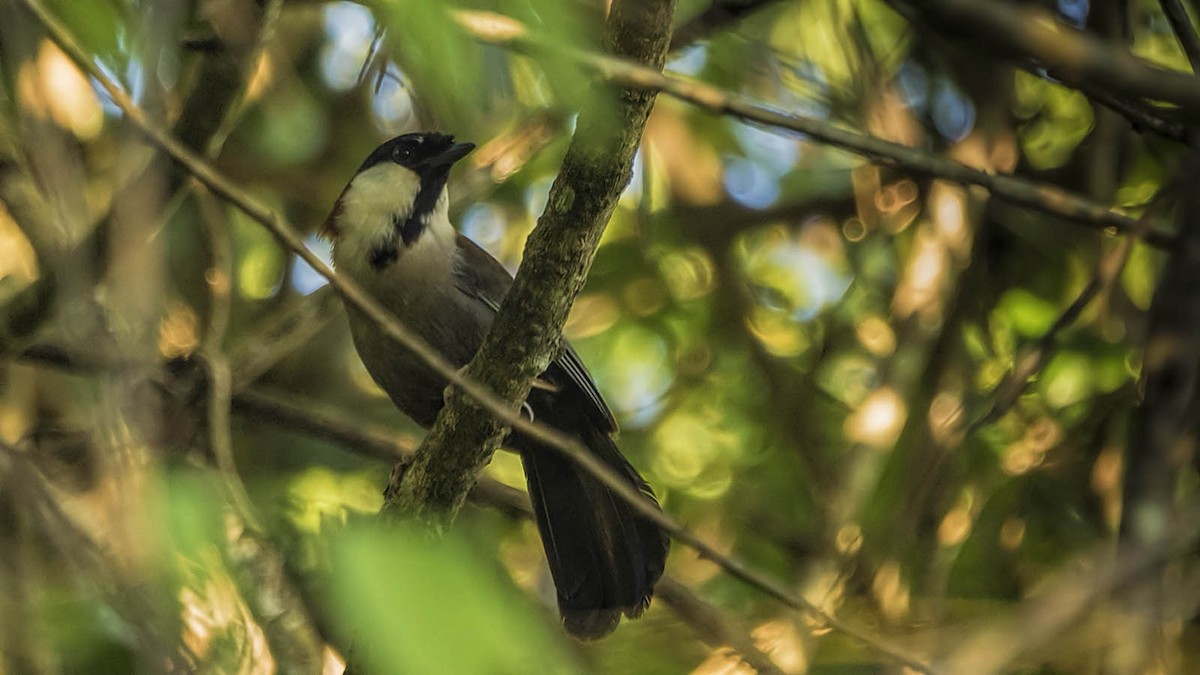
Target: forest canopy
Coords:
[[897, 314]]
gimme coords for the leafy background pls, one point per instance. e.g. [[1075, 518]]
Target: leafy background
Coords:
[[796, 342]]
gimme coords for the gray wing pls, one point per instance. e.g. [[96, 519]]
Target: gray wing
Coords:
[[481, 276]]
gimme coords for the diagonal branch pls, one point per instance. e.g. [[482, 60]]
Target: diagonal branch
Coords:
[[1069, 596], [303, 416], [1031, 361], [506, 32], [225, 188], [719, 15], [1071, 55], [1181, 23]]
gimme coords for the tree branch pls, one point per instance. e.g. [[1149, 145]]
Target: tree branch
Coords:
[[1162, 436], [1070, 595], [505, 32], [1071, 55], [526, 334], [391, 327], [1033, 359], [1181, 23], [716, 17], [302, 416]]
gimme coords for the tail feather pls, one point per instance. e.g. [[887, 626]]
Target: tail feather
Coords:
[[605, 558]]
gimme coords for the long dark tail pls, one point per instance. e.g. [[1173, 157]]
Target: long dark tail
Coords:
[[604, 557]]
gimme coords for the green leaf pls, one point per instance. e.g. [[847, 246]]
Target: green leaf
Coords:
[[1028, 314], [414, 604]]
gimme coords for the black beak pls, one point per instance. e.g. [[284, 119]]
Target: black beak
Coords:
[[452, 153]]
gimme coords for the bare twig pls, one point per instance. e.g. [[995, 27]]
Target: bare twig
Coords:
[[1042, 618], [1163, 432], [1139, 117], [504, 31], [270, 18], [80, 551], [712, 627], [392, 328], [300, 415], [280, 334], [1108, 268]]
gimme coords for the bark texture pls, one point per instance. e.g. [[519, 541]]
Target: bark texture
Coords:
[[527, 332]]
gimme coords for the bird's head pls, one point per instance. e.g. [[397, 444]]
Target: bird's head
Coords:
[[396, 196]]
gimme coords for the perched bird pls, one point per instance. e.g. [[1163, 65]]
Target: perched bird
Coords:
[[391, 234]]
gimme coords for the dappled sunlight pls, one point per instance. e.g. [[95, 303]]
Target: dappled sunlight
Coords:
[[955, 526], [178, 332], [877, 336], [849, 539], [792, 278], [18, 262], [592, 314], [216, 621], [783, 641], [891, 590], [66, 94], [319, 498], [637, 374], [921, 288], [841, 312], [878, 420], [723, 661], [689, 274], [946, 418], [693, 454]]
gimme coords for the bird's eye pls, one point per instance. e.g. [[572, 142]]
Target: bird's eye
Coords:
[[401, 153]]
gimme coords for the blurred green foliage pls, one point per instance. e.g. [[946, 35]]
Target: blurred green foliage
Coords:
[[794, 340]]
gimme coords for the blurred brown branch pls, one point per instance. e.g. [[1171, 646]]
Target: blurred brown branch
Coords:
[[283, 232], [504, 31], [1070, 55], [299, 415], [718, 16], [1070, 595], [41, 509], [1181, 23], [1163, 436]]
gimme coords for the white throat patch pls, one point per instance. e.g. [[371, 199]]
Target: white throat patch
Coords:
[[372, 206]]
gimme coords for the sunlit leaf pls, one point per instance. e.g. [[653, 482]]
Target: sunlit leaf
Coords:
[[423, 605]]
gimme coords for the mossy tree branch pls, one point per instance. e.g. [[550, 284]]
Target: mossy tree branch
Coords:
[[526, 334]]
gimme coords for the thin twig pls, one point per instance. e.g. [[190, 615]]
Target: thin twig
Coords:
[[270, 19], [506, 32], [1107, 269], [711, 625], [995, 647], [219, 401], [394, 329], [300, 415], [280, 334]]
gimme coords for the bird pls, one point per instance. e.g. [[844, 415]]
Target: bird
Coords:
[[391, 233]]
